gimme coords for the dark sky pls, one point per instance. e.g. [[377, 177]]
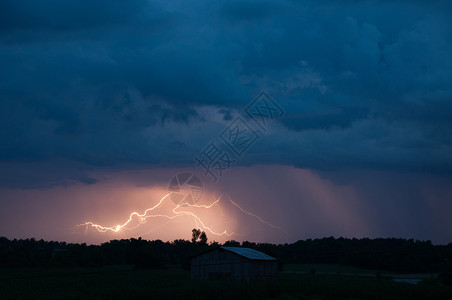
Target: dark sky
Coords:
[[104, 101]]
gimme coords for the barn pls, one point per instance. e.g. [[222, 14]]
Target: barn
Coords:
[[234, 263]]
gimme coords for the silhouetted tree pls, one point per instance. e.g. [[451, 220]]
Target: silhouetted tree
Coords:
[[231, 243], [400, 255], [195, 235], [198, 236], [203, 238]]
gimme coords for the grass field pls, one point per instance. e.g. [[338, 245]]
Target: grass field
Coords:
[[174, 283], [328, 268]]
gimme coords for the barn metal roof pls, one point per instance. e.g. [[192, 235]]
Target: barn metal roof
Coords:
[[249, 253]]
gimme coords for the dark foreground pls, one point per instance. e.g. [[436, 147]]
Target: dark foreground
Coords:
[[125, 282]]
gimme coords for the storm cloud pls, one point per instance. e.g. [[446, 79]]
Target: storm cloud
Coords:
[[89, 82], [106, 86]]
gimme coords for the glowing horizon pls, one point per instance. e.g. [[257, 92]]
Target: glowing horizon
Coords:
[[142, 218], [321, 208]]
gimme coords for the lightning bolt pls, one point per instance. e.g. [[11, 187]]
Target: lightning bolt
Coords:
[[119, 227], [142, 218], [257, 217]]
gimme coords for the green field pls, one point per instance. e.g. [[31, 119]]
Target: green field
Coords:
[[328, 268], [174, 283]]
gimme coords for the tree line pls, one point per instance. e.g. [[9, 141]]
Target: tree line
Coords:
[[392, 254]]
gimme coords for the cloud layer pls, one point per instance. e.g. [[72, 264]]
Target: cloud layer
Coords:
[[363, 84], [102, 102]]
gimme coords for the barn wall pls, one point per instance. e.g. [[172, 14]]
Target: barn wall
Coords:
[[264, 269], [219, 264], [225, 264]]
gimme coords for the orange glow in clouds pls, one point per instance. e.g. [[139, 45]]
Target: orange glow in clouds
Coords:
[[194, 211]]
